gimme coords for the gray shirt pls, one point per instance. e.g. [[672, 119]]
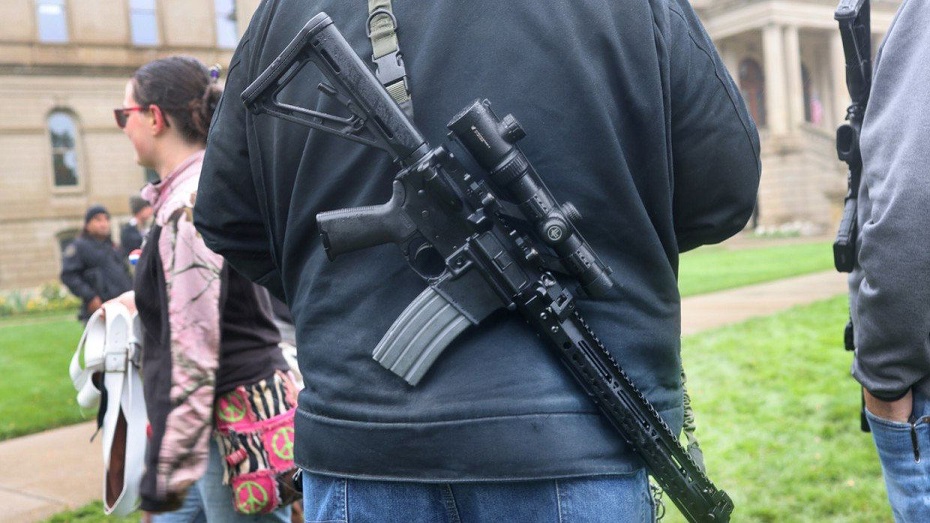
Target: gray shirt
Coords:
[[890, 286]]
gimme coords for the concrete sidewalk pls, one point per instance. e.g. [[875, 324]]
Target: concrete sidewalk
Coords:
[[716, 309], [60, 469], [49, 472]]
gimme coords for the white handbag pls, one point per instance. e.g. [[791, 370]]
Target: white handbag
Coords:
[[110, 350]]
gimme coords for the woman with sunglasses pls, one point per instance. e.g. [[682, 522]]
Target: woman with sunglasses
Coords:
[[210, 352]]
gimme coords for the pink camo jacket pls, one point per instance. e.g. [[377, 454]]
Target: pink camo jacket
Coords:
[[192, 276]]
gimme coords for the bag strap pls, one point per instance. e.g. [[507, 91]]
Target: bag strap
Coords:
[[124, 421], [389, 62]]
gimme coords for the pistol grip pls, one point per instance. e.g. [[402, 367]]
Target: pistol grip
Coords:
[[419, 335], [347, 230]]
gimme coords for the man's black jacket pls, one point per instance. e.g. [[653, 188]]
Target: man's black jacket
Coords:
[[91, 267], [629, 114]]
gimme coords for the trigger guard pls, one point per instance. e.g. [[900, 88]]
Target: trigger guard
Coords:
[[425, 259]]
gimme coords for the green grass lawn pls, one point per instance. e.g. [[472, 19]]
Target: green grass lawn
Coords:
[[35, 390], [719, 267], [92, 513], [778, 419]]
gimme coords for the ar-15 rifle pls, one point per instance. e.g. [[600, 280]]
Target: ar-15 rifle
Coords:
[[481, 243]]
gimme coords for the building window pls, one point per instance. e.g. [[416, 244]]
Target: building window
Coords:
[[53, 24], [752, 87], [227, 34], [63, 133], [143, 22]]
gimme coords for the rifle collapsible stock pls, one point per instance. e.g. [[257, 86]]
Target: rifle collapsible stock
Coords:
[[482, 243]]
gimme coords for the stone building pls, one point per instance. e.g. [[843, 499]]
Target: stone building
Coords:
[[63, 68], [787, 57], [64, 64]]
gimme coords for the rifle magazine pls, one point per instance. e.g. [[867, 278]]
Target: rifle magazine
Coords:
[[419, 335]]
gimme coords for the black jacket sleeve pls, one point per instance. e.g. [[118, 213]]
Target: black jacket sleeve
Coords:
[[228, 213], [73, 267], [715, 144]]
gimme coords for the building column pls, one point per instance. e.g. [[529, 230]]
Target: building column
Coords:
[[793, 77], [776, 103], [840, 95]]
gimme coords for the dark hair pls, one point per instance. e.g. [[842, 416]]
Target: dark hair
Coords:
[[181, 86], [137, 203], [94, 210]]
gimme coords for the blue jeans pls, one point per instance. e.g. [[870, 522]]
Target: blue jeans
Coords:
[[589, 500], [209, 500], [907, 481]]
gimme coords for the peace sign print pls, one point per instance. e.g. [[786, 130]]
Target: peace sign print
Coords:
[[231, 408], [251, 498], [282, 443]]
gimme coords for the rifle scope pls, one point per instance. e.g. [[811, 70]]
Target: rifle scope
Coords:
[[491, 142]]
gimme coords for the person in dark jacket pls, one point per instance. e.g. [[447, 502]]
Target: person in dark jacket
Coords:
[[131, 235], [629, 113], [91, 266]]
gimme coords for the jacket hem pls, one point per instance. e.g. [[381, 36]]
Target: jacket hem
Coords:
[[505, 448]]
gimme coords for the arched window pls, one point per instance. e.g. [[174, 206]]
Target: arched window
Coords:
[[752, 87], [63, 133]]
